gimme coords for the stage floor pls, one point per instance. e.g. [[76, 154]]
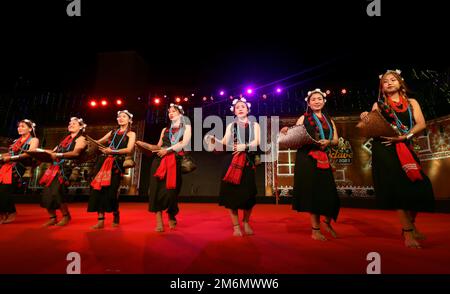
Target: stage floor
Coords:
[[203, 243]]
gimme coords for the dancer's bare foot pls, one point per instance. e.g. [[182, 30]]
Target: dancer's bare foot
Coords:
[[116, 219], [100, 224], [2, 217], [330, 229], [317, 235], [418, 235], [159, 222], [65, 220], [248, 229], [172, 224], [237, 231], [51, 222], [10, 217], [410, 240], [159, 228]]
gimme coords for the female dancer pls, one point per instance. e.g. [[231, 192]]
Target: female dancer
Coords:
[[13, 168], [165, 183], [105, 192], [56, 178], [238, 185], [398, 179], [314, 186]]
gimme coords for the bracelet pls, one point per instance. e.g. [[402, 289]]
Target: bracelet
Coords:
[[15, 157], [115, 151], [409, 136], [59, 155]]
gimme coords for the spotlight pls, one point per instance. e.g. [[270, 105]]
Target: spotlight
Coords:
[[93, 103]]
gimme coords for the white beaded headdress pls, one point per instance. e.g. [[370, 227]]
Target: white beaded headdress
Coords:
[[241, 99]]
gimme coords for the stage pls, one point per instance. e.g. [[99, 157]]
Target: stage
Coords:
[[203, 243]]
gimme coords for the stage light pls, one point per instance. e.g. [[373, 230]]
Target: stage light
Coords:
[[119, 102], [264, 96], [93, 103], [212, 98], [157, 101], [278, 90], [165, 96], [186, 99], [192, 94], [249, 91], [328, 92], [104, 102], [231, 97], [178, 100], [205, 98], [221, 93], [344, 91]]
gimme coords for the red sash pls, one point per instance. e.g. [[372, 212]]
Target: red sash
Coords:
[[6, 173], [234, 172], [321, 157], [168, 169], [103, 177], [49, 175], [409, 165]]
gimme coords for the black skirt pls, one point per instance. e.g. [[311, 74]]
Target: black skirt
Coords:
[[107, 199], [7, 199], [241, 196], [161, 198], [393, 189], [314, 188], [7, 191], [54, 195]]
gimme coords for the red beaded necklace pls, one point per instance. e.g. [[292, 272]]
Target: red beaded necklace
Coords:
[[400, 106]]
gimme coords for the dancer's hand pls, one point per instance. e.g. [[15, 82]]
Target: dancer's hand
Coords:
[[162, 152], [364, 116], [106, 150], [324, 143], [210, 142], [6, 158], [390, 140], [210, 139], [53, 155], [238, 148]]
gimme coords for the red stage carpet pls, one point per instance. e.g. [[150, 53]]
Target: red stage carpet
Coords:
[[203, 243]]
